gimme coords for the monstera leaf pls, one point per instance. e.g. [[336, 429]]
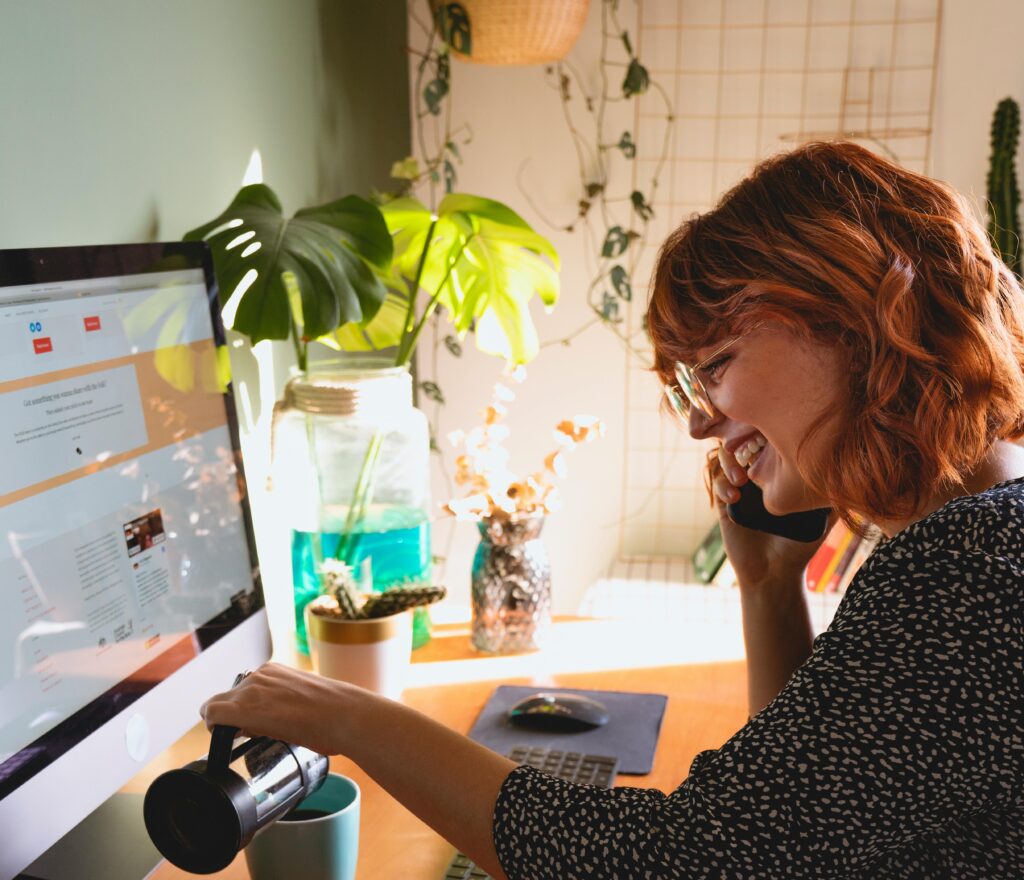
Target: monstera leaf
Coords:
[[326, 256], [477, 259]]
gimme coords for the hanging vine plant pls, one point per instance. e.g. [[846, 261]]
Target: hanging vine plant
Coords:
[[614, 225]]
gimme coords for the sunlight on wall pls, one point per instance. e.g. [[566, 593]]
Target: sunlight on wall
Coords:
[[254, 170]]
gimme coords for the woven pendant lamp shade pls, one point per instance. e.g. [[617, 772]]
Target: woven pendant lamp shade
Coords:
[[520, 32]]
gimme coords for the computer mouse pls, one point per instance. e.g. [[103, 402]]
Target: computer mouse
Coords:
[[558, 713]]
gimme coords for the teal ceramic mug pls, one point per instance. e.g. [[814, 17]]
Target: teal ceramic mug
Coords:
[[318, 840]]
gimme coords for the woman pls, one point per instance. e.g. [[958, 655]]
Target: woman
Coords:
[[857, 346]]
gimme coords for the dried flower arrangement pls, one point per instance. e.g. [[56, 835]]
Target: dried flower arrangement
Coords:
[[495, 492], [343, 601]]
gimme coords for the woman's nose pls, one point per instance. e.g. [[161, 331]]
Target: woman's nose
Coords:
[[700, 423]]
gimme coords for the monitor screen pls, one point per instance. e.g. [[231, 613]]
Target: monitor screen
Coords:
[[126, 546]]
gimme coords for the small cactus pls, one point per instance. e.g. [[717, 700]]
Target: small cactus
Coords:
[[339, 582], [401, 599], [1003, 194], [343, 600]]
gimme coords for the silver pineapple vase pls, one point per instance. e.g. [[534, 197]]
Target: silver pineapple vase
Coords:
[[511, 587]]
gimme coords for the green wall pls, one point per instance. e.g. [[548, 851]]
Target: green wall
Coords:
[[131, 120]]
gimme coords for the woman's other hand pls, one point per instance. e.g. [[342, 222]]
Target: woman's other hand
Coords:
[[285, 704], [760, 560]]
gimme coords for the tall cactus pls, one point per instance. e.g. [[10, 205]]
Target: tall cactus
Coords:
[[1003, 194]]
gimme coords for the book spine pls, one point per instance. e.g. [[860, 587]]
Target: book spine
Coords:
[[844, 563], [819, 562], [864, 550], [837, 554]]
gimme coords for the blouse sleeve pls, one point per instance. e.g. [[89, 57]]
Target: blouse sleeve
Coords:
[[905, 718]]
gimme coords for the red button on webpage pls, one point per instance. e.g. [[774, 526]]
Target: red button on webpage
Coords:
[[92, 322], [42, 344]]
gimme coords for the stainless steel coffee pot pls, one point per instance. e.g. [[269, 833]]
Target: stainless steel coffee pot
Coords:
[[202, 814]]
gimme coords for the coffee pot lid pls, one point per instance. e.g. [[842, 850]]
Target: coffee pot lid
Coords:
[[201, 815]]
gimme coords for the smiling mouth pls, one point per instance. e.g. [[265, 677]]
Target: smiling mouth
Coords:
[[750, 451]]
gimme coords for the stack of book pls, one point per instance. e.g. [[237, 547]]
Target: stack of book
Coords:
[[838, 559]]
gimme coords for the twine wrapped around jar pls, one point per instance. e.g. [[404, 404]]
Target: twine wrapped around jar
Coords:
[[511, 586]]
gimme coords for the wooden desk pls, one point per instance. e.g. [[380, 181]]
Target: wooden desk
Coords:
[[451, 683]]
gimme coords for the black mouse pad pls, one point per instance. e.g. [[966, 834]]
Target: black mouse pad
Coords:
[[630, 734]]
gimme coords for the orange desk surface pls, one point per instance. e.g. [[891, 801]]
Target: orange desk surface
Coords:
[[451, 682]]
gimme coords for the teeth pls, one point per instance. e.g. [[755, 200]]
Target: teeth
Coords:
[[749, 450]]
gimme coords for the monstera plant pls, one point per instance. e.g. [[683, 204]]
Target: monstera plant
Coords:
[[476, 259], [360, 278], [298, 278]]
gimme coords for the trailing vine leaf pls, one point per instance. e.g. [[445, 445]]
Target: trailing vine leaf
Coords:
[[563, 85], [637, 79], [452, 148], [620, 281], [449, 176], [640, 205], [594, 189], [325, 253], [627, 43], [625, 144], [615, 242], [453, 345], [432, 391], [609, 308], [433, 94], [453, 25]]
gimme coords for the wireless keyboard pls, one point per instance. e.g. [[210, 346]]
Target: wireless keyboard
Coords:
[[576, 767]]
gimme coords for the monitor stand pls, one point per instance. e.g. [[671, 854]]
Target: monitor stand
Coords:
[[111, 842]]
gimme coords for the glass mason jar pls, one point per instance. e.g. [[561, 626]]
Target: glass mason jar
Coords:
[[351, 471], [511, 587]]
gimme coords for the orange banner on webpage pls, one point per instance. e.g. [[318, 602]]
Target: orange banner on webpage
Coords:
[[64, 425]]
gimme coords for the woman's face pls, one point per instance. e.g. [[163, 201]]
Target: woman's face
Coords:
[[773, 384]]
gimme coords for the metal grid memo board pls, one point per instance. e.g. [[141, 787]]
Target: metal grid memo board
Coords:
[[749, 78]]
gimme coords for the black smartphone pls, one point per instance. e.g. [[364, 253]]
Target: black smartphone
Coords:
[[749, 511]]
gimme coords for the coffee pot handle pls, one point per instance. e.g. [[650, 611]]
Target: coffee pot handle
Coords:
[[222, 739]]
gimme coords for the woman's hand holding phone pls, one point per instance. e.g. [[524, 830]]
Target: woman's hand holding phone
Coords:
[[760, 558]]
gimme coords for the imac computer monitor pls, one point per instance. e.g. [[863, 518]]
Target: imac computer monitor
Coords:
[[129, 586]]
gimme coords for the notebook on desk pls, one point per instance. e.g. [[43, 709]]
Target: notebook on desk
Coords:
[[631, 733]]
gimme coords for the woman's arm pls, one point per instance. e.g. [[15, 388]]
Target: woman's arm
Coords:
[[776, 623], [777, 634], [447, 780]]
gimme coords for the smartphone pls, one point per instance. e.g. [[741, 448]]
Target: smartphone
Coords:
[[749, 511]]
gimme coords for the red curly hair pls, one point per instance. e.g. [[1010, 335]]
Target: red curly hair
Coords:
[[847, 248]]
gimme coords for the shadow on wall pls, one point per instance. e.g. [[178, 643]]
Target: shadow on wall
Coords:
[[364, 95]]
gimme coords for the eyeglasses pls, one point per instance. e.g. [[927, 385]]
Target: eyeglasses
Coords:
[[693, 391]]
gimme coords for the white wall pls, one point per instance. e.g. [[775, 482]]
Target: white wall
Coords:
[[980, 63], [516, 120]]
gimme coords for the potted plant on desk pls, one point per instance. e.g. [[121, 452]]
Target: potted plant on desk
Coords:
[[511, 580], [361, 279], [364, 638]]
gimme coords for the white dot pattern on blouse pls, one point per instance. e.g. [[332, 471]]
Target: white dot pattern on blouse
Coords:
[[895, 751]]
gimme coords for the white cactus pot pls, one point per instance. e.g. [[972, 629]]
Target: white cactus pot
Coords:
[[373, 654]]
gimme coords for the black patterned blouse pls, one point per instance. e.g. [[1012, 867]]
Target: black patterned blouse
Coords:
[[895, 751]]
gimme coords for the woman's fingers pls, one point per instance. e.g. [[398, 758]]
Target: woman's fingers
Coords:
[[727, 475], [725, 491], [736, 473], [231, 706]]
